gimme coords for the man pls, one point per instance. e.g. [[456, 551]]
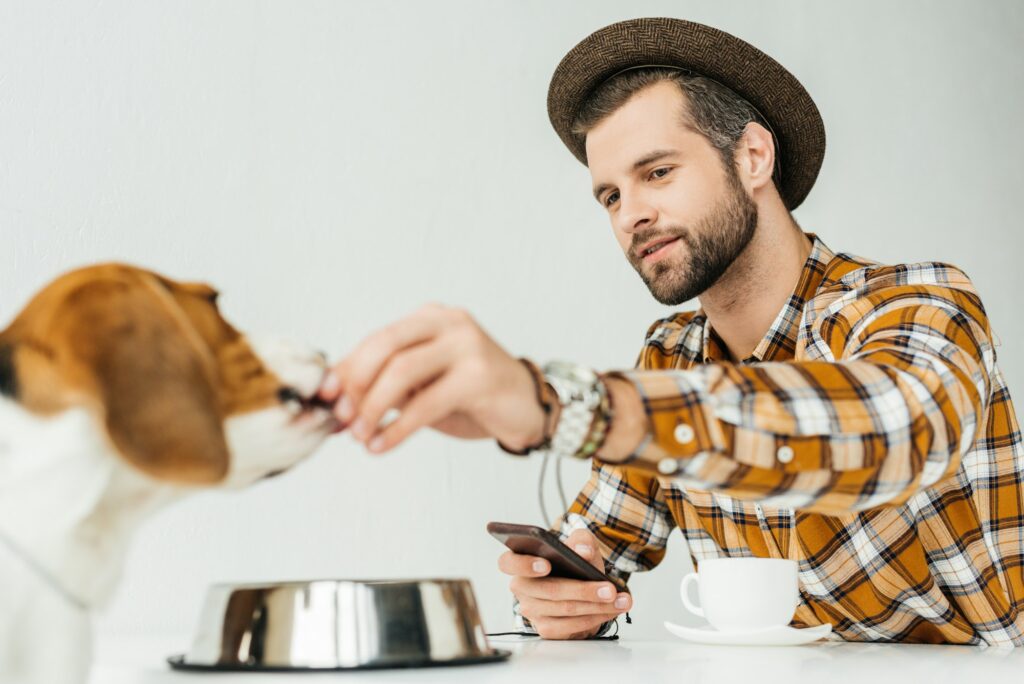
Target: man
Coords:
[[817, 407]]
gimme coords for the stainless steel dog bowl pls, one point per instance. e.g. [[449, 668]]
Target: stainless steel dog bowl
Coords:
[[338, 625]]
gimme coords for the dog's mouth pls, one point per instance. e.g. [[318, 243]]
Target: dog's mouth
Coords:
[[298, 404]]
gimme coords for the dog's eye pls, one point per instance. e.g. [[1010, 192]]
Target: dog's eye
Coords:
[[212, 297]]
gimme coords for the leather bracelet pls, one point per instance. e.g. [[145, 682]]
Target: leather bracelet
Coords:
[[548, 399]]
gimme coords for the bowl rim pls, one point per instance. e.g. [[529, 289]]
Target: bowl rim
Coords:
[[495, 655], [336, 581]]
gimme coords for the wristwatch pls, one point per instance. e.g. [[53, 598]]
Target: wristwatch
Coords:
[[585, 409]]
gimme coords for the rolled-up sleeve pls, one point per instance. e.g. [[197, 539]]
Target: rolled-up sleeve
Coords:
[[890, 393]]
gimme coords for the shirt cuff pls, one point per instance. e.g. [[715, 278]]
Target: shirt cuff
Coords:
[[687, 438], [680, 415]]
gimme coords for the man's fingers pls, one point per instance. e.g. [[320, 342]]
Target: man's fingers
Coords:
[[330, 387], [560, 589], [568, 627], [584, 543], [520, 565], [534, 608], [356, 372], [436, 401], [402, 375]]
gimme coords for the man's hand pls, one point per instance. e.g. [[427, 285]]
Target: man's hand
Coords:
[[440, 369], [563, 608]]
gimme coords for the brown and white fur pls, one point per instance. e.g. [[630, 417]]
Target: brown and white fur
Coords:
[[120, 392]]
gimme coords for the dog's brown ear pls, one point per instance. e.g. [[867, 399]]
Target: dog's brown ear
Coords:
[[153, 375]]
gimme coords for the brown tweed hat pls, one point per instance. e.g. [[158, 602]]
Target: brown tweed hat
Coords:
[[701, 50]]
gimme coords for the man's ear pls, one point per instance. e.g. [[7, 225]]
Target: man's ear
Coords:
[[756, 155], [153, 376]]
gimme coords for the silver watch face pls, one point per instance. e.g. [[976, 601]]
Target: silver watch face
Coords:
[[571, 371], [580, 393], [573, 383]]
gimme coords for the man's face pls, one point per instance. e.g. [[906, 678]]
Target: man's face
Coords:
[[680, 216]]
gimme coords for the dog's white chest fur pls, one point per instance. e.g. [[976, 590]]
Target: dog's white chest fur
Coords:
[[63, 499], [31, 609], [66, 512]]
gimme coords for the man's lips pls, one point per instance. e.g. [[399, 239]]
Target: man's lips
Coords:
[[655, 249]]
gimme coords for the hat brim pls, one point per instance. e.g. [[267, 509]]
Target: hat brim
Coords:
[[702, 50]]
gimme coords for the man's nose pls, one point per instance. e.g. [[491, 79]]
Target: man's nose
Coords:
[[635, 213]]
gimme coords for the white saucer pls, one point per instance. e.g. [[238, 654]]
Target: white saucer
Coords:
[[773, 636]]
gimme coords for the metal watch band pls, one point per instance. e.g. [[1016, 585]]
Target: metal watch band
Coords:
[[581, 394]]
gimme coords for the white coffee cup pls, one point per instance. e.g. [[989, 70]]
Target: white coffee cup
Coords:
[[739, 594]]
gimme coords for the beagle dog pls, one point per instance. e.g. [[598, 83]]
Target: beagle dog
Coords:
[[121, 391]]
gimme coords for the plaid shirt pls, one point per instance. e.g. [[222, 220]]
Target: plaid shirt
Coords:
[[870, 437]]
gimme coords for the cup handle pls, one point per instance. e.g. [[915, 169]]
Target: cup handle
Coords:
[[685, 596]]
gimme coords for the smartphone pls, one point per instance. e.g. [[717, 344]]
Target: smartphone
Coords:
[[536, 541]]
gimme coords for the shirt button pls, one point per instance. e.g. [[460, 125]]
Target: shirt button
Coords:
[[667, 466], [684, 433], [784, 454]]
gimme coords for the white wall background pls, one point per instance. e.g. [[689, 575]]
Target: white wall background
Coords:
[[332, 165]]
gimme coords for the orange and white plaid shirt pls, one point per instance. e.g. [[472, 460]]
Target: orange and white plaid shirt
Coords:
[[870, 437]]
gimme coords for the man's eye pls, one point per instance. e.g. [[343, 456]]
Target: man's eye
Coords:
[[611, 199], [660, 172]]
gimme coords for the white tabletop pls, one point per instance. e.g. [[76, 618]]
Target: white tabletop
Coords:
[[141, 660]]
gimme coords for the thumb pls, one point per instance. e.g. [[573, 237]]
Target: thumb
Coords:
[[585, 544]]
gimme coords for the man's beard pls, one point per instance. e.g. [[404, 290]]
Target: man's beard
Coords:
[[711, 247]]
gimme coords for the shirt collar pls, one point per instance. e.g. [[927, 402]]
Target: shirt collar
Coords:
[[779, 343]]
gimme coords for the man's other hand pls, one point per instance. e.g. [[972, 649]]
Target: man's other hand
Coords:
[[560, 608]]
